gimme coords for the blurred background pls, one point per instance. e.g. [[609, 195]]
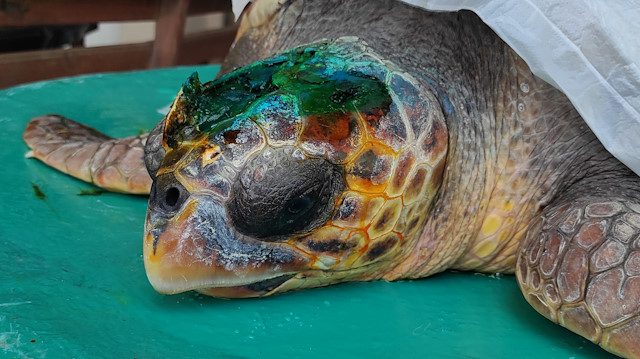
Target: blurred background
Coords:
[[45, 39]]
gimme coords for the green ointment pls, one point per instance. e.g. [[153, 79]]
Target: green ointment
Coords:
[[319, 78], [37, 191]]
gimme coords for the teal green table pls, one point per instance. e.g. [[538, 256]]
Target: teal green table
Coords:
[[72, 282]]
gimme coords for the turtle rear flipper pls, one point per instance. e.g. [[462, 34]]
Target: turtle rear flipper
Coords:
[[579, 264], [82, 152]]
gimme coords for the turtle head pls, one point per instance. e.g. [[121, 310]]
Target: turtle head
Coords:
[[298, 171]]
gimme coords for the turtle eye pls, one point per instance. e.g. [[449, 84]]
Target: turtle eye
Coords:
[[167, 194], [299, 204], [277, 196]]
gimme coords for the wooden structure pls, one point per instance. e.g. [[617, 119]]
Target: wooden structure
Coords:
[[170, 47]]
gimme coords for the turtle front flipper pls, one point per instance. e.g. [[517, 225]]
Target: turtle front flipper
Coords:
[[82, 152], [579, 264]]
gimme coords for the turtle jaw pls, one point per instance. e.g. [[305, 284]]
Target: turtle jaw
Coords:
[[260, 288], [216, 283], [197, 250]]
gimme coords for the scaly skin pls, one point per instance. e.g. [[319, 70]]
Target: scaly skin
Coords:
[[580, 262], [494, 171], [82, 152]]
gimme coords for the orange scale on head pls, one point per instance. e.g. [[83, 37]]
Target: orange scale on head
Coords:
[[329, 240], [351, 211], [434, 142], [210, 155], [405, 163], [173, 158], [201, 171], [386, 218], [390, 128], [412, 219], [373, 207], [371, 170], [405, 217], [415, 188], [336, 135], [379, 248], [361, 241], [436, 177], [371, 119]]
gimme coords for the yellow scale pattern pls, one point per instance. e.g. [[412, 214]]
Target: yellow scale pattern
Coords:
[[387, 197]]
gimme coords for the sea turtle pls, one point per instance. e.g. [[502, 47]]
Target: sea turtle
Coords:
[[363, 140]]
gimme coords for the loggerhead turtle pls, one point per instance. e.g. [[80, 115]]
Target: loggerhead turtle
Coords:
[[370, 140]]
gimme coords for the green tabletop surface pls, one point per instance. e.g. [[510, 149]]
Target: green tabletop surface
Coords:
[[72, 281]]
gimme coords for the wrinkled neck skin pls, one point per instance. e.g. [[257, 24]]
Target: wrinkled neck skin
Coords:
[[480, 85]]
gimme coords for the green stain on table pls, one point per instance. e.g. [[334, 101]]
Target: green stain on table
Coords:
[[72, 282], [38, 192]]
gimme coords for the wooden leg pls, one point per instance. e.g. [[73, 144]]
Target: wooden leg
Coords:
[[169, 32]]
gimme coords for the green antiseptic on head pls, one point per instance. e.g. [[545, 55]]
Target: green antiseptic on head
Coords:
[[318, 76]]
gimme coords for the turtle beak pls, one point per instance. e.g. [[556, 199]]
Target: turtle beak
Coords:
[[196, 249]]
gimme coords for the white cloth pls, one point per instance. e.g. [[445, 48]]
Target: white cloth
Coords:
[[589, 49]]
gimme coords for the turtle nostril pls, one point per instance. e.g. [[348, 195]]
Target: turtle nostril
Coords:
[[167, 194], [171, 197]]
